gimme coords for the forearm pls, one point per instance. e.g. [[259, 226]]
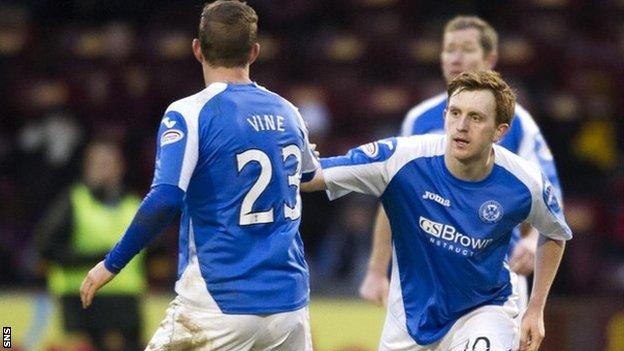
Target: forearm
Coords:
[[547, 260], [317, 183], [157, 210], [381, 250]]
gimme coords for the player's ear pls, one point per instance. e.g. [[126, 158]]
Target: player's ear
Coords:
[[491, 59], [501, 130], [197, 51], [255, 51]]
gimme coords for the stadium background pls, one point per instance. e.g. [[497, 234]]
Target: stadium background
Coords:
[[74, 70]]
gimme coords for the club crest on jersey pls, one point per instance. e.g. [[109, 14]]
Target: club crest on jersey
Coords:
[[550, 198], [171, 136], [379, 149], [491, 211], [371, 149]]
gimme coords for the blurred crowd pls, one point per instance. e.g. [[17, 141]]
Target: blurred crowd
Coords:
[[73, 71]]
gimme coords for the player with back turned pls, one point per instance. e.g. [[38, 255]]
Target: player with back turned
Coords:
[[231, 157]]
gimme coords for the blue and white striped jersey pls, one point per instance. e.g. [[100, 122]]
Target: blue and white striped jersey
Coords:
[[239, 151], [450, 236], [524, 138]]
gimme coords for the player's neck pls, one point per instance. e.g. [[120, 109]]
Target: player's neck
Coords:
[[472, 170], [235, 75]]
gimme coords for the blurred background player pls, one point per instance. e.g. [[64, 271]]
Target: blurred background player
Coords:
[[452, 201], [469, 43], [78, 230], [231, 157]]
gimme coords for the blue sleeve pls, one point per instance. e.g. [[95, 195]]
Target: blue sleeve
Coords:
[[176, 151], [377, 151], [157, 210]]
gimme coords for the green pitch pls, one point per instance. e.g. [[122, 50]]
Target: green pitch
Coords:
[[336, 324]]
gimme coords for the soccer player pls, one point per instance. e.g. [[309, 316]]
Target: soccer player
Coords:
[[469, 43], [452, 202], [231, 157]]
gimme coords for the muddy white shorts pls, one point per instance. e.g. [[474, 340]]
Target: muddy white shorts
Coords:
[[186, 327]]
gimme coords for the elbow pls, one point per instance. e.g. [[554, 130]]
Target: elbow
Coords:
[[167, 198], [171, 204]]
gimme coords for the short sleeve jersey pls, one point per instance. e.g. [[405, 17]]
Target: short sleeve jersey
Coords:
[[524, 138], [450, 236]]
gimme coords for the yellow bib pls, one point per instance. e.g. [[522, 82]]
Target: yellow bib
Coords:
[[97, 227]]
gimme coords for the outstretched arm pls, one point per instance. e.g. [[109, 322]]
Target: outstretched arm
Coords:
[[547, 260], [317, 183], [375, 286], [157, 210]]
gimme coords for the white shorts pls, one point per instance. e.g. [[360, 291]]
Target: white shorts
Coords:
[[186, 327], [488, 328]]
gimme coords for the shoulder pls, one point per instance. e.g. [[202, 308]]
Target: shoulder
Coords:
[[416, 146], [278, 97], [191, 105], [294, 109], [525, 171], [426, 109]]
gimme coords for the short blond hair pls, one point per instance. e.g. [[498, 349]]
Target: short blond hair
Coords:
[[488, 38], [487, 80]]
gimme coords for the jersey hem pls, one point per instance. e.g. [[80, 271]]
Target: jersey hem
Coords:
[[264, 310], [431, 340]]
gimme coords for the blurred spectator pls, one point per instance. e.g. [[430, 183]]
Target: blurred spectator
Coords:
[[311, 103], [76, 233], [47, 141], [343, 253]]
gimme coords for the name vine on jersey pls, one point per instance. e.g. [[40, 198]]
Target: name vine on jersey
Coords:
[[251, 145], [449, 244]]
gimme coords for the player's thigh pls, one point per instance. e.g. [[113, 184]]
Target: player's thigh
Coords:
[[286, 331], [166, 334], [188, 328], [489, 328], [395, 337]]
